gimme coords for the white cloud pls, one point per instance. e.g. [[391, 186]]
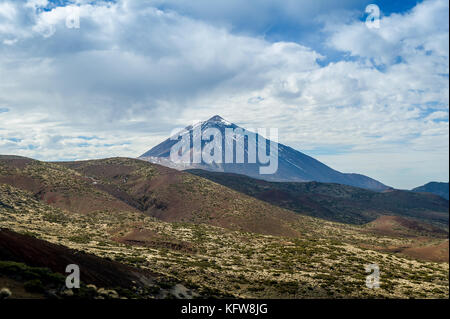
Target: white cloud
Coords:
[[255, 16], [133, 72], [7, 11], [411, 36]]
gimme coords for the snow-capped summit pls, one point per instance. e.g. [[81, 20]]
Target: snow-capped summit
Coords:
[[292, 165], [220, 120]]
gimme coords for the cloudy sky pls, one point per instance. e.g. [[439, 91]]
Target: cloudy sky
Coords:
[[366, 100]]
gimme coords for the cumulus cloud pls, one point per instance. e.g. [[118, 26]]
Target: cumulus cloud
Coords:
[[254, 16], [136, 69], [422, 32]]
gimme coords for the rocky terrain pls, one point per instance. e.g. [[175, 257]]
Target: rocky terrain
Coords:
[[170, 234]]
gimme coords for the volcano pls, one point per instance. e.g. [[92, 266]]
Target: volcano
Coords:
[[292, 165]]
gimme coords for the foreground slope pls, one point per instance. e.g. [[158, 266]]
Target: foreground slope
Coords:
[[29, 260], [327, 261], [292, 164]]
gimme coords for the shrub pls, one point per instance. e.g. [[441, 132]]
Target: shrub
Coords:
[[34, 285]]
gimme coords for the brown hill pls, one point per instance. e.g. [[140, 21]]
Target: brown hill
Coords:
[[399, 226], [56, 185], [338, 202], [437, 252], [172, 195], [123, 184]]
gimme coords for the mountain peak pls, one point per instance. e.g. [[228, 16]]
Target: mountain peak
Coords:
[[215, 118], [293, 166], [218, 119]]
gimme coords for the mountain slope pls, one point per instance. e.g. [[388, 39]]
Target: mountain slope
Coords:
[[171, 195], [292, 165], [56, 185], [123, 184], [337, 202], [101, 272], [437, 188], [327, 261]]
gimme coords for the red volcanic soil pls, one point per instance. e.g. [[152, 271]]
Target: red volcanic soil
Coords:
[[399, 226], [80, 197], [149, 238], [167, 195], [121, 184], [23, 182], [421, 249], [424, 237], [16, 161], [99, 271], [437, 253]]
